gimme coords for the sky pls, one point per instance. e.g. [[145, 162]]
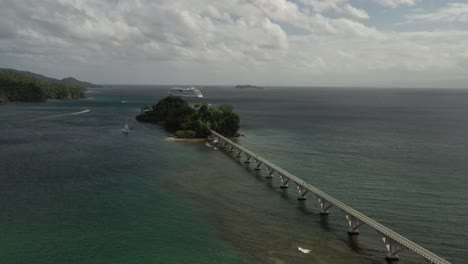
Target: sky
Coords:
[[371, 43]]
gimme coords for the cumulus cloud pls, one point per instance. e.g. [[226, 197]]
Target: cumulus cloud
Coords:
[[396, 3], [223, 41], [453, 12], [340, 7], [192, 30]]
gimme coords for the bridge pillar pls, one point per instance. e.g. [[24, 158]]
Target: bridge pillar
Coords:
[[302, 192], [231, 149], [285, 181], [324, 206], [259, 164], [354, 224], [392, 246], [394, 243], [270, 172]]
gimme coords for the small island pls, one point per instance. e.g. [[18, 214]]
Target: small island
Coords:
[[186, 121], [19, 86], [248, 86]]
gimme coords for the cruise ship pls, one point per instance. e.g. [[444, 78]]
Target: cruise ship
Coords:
[[186, 92]]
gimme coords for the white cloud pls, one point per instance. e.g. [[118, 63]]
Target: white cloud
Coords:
[[198, 30], [453, 12], [340, 7], [222, 41], [396, 3]]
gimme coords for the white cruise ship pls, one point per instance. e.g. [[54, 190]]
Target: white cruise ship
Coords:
[[186, 92]]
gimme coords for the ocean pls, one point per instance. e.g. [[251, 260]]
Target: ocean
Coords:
[[74, 189]]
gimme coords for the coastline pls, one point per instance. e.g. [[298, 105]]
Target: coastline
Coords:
[[174, 139]]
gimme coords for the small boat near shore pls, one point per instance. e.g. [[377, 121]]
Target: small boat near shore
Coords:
[[304, 250]]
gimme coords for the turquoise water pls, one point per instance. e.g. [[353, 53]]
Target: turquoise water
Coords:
[[76, 190]]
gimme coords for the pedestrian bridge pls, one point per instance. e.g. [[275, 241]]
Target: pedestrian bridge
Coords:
[[394, 242]]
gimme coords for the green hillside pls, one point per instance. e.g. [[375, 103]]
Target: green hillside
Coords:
[[18, 86], [191, 122]]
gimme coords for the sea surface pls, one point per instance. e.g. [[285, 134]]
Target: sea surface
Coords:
[[74, 189]]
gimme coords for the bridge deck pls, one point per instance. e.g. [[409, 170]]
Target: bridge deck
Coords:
[[431, 257]]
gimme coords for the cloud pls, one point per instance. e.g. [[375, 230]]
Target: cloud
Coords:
[[453, 12], [396, 3], [223, 41], [339, 7], [190, 30]]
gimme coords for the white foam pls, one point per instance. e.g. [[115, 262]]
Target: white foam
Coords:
[[81, 112], [304, 250]]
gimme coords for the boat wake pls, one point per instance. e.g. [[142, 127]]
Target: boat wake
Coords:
[[61, 115], [81, 112], [210, 146]]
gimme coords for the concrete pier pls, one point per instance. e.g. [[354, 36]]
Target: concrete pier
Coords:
[[354, 224], [270, 173], [393, 242]]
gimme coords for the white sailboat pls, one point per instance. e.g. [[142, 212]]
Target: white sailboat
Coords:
[[125, 130]]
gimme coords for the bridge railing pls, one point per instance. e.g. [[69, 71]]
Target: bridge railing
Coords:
[[394, 242]]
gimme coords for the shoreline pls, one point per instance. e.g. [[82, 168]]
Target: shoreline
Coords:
[[174, 139]]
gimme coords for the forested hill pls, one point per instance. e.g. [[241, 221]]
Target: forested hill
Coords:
[[68, 80], [75, 82], [30, 87], [192, 122]]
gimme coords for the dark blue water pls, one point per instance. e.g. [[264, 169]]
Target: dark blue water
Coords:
[[75, 190]]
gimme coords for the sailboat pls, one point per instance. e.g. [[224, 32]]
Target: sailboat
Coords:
[[125, 129]]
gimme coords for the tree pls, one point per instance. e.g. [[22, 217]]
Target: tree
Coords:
[[226, 108], [185, 134], [15, 86], [181, 119]]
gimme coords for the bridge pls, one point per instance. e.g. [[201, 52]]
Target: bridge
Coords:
[[394, 242]]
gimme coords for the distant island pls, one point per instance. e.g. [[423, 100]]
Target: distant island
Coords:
[[248, 86], [23, 86], [185, 121]]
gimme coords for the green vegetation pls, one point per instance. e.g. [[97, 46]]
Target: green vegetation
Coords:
[[185, 134], [186, 122], [74, 82], [70, 80], [28, 87]]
